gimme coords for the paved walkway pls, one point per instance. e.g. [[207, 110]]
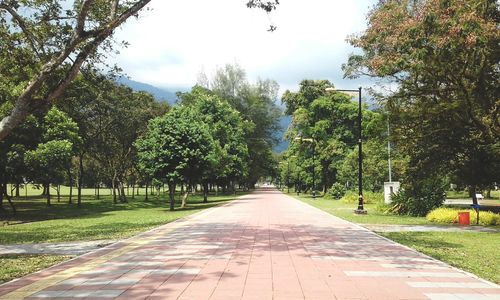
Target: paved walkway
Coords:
[[263, 246]]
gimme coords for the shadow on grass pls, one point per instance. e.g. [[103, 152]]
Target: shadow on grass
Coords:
[[34, 208], [417, 238]]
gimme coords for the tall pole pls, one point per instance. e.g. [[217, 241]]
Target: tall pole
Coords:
[[389, 148], [360, 209], [314, 171], [288, 177]]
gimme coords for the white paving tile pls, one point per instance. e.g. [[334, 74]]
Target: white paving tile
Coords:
[[107, 293], [460, 296], [405, 274], [464, 285], [47, 294], [412, 266]]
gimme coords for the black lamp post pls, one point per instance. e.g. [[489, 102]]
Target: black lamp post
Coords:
[[361, 209], [288, 177]]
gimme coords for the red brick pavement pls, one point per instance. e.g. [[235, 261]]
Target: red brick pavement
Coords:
[[263, 246]]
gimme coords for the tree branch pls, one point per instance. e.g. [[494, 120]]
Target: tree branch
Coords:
[[22, 105], [22, 24], [82, 16]]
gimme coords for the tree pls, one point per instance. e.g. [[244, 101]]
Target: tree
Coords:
[[110, 118], [44, 44], [228, 131], [329, 119], [48, 162], [257, 105], [443, 57], [58, 126], [176, 148], [49, 44]]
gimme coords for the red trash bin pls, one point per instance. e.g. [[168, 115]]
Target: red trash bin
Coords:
[[464, 218]]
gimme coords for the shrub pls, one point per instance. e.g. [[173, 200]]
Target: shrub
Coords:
[[450, 216], [368, 197], [337, 191], [419, 199]]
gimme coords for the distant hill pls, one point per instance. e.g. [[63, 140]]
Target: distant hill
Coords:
[[283, 145], [158, 93]]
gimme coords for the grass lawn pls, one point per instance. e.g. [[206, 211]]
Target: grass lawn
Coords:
[[94, 220], [465, 195], [345, 211], [17, 265], [475, 252]]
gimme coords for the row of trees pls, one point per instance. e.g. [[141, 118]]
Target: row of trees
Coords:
[[442, 61], [323, 140], [102, 134]]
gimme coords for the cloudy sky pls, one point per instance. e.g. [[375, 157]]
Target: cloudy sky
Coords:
[[173, 41]]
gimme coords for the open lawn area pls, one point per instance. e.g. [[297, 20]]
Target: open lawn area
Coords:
[[345, 211], [94, 220], [475, 252], [17, 265]]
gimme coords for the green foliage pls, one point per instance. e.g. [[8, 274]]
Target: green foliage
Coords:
[[58, 125], [450, 216], [443, 57], [337, 191], [418, 200], [330, 119], [177, 146], [368, 197], [49, 160]]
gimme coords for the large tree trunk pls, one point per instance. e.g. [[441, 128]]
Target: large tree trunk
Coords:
[[80, 179], [133, 190], [3, 193], [171, 193], [48, 193], [472, 192], [17, 190], [98, 189], [184, 198], [58, 190], [70, 177], [123, 197], [205, 192], [146, 199], [113, 187]]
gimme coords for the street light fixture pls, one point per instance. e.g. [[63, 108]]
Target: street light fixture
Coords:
[[360, 209], [313, 154]]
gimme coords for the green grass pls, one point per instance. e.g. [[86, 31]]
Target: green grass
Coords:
[[17, 265], [94, 220], [475, 252], [346, 211], [465, 195]]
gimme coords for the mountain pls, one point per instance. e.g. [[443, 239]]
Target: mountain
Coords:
[[283, 144], [158, 93], [170, 97]]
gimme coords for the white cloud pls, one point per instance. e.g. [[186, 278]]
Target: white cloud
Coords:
[[171, 43]]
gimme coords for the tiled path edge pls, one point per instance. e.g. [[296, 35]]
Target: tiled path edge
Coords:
[[264, 245]]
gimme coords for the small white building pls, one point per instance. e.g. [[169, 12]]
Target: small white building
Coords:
[[390, 188]]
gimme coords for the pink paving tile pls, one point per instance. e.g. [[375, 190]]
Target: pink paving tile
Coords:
[[263, 246]]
